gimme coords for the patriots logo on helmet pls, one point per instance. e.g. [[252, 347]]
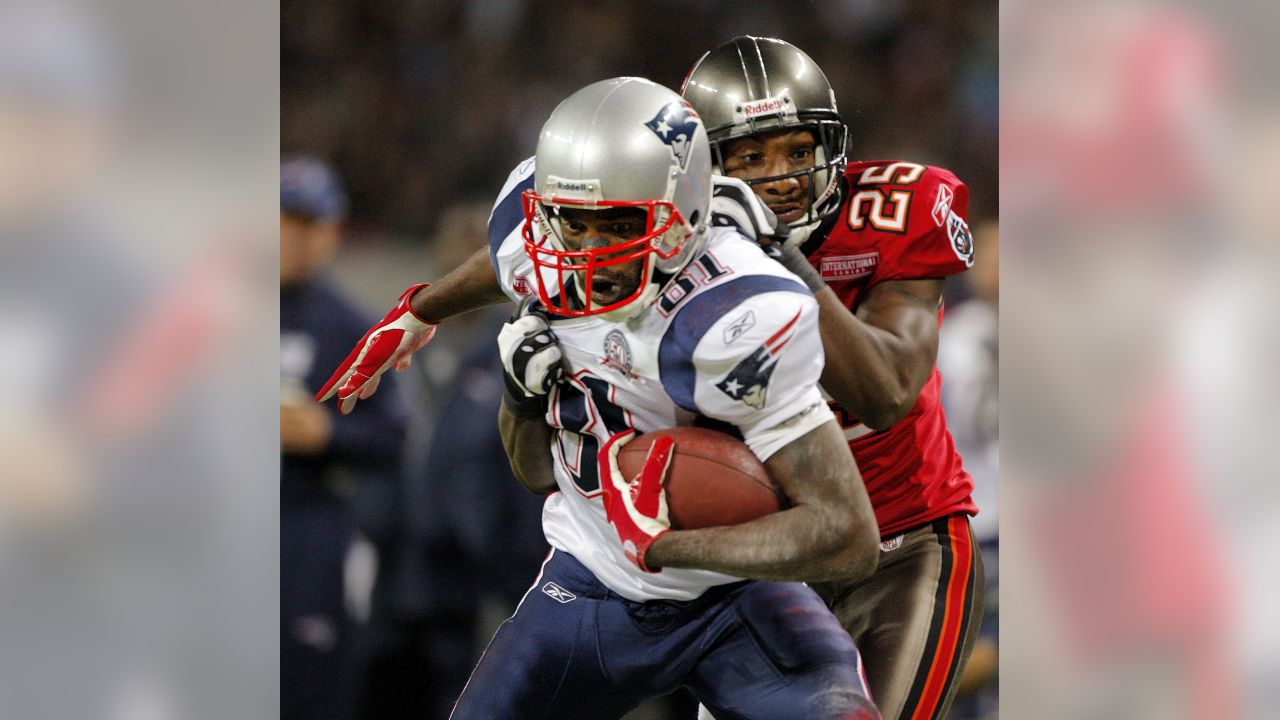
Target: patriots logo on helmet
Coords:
[[675, 125], [748, 381]]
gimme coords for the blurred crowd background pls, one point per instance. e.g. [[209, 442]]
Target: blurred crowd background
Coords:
[[423, 105], [422, 109], [140, 460]]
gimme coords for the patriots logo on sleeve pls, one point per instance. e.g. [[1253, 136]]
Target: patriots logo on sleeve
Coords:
[[748, 381], [675, 125]]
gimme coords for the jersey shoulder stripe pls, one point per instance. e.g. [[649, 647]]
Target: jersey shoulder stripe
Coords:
[[695, 317], [508, 212]]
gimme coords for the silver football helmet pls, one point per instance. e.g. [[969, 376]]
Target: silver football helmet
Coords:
[[751, 85], [623, 142]]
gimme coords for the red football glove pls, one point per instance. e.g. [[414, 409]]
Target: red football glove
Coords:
[[636, 508], [391, 341]]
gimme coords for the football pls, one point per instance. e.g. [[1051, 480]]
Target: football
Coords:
[[713, 480]]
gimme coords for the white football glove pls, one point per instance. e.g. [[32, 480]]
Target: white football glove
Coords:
[[530, 354]]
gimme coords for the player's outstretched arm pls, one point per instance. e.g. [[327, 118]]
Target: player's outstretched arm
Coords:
[[879, 358], [409, 326], [829, 531], [470, 286]]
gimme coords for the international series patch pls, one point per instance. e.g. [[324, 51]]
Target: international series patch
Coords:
[[835, 268]]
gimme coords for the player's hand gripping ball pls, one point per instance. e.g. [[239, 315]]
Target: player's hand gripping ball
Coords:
[[681, 478], [634, 503], [714, 479]]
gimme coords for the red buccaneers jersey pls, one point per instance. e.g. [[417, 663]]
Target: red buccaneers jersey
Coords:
[[900, 221]]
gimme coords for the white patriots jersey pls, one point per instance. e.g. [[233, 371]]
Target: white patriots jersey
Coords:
[[734, 339]]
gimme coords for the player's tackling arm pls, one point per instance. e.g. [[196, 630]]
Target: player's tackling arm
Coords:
[[879, 358], [828, 532]]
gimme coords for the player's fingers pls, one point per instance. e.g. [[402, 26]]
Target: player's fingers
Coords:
[[424, 337], [352, 384], [382, 347], [339, 376], [608, 453], [347, 404], [658, 458], [370, 387], [352, 391], [336, 381], [403, 363], [652, 475]]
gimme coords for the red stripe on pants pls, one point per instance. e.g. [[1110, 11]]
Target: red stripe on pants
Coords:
[[952, 619]]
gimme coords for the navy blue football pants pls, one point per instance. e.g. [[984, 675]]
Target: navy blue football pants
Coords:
[[750, 650]]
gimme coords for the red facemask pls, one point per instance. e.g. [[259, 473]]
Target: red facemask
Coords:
[[577, 268]]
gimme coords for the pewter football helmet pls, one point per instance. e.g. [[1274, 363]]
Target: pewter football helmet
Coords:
[[623, 142], [751, 85]]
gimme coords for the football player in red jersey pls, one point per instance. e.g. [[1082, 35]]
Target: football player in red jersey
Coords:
[[874, 241]]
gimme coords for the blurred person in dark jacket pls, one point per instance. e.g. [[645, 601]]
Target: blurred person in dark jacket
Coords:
[[325, 466], [469, 534]]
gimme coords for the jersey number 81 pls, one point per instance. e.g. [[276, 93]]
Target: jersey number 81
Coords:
[[586, 418]]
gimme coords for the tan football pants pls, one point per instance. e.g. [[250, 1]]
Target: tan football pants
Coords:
[[915, 618]]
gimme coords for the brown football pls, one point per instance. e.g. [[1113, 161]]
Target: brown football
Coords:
[[713, 480]]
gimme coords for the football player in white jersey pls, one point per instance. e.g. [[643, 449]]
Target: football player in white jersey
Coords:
[[647, 317]]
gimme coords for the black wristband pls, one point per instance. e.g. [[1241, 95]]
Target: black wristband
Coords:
[[792, 259], [530, 408]]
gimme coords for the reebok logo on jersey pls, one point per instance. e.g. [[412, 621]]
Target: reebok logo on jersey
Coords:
[[739, 326], [942, 208], [748, 381], [848, 267], [557, 593]]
